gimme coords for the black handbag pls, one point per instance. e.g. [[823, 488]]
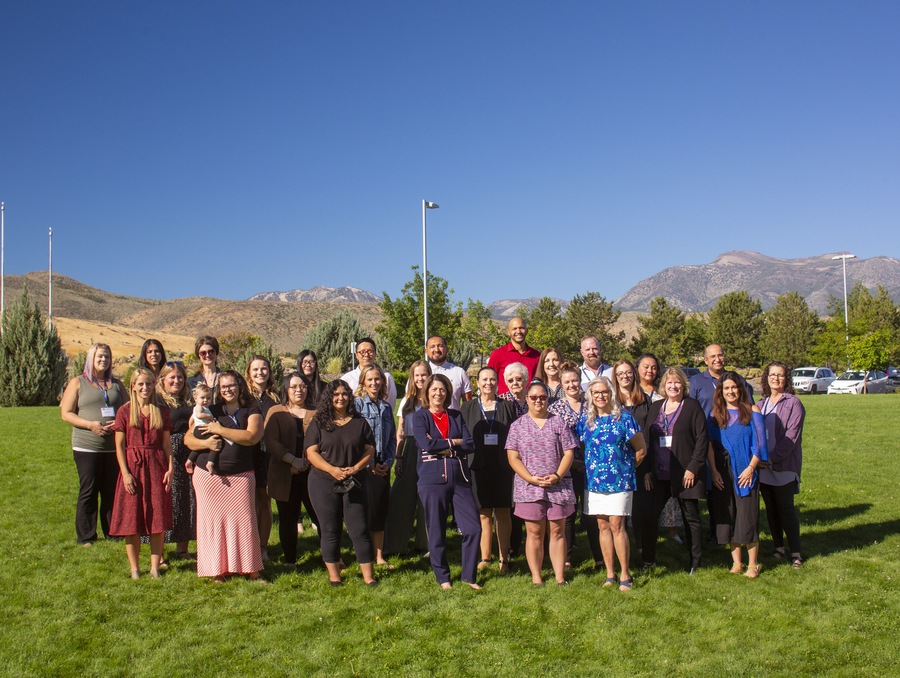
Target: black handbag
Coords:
[[345, 485]]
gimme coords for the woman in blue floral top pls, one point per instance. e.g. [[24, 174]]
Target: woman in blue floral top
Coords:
[[613, 447]]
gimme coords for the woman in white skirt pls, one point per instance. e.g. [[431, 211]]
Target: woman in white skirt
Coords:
[[613, 447]]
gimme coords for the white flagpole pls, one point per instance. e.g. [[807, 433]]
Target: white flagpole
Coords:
[[50, 302], [2, 269]]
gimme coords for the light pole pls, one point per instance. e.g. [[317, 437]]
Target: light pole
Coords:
[[2, 270], [50, 283], [844, 258], [430, 206]]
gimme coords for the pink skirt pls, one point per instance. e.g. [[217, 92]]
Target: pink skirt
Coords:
[[227, 538]]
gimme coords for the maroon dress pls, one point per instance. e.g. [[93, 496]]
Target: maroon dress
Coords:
[[149, 509]]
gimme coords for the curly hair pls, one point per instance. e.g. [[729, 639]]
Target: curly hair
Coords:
[[788, 382], [325, 410]]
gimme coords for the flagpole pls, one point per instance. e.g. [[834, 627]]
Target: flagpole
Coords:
[[50, 296]]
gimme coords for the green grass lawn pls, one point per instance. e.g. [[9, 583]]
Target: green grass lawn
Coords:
[[71, 611]]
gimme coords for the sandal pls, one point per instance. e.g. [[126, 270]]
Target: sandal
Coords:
[[796, 562], [752, 572], [610, 581], [737, 568], [484, 563], [504, 567], [779, 554], [626, 584]]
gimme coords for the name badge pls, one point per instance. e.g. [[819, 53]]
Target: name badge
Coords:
[[491, 438], [665, 441], [108, 412]]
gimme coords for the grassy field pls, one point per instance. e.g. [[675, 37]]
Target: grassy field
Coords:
[[72, 611]]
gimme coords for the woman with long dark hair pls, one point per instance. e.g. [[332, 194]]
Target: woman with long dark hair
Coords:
[[737, 447], [153, 356], [227, 536], [172, 390], [288, 477], [340, 444], [308, 369]]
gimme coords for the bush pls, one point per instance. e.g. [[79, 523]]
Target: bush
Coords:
[[331, 340], [32, 364]]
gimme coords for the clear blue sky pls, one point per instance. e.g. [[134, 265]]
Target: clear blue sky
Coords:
[[224, 149]]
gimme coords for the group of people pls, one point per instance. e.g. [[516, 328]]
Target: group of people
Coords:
[[172, 458]]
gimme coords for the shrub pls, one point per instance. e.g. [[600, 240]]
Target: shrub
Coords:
[[32, 364], [331, 340]]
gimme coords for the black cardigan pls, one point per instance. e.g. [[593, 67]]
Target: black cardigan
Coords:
[[690, 446]]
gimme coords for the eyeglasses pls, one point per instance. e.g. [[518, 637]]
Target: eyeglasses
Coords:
[[297, 387], [537, 399], [629, 373], [308, 361], [780, 377], [204, 354], [600, 394], [228, 387]]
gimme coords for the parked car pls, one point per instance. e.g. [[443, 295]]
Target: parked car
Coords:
[[894, 376], [812, 379], [690, 371], [860, 381]]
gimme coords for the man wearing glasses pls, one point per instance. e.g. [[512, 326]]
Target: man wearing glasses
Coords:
[[365, 356]]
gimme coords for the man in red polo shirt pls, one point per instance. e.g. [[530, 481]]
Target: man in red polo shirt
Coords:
[[516, 351]]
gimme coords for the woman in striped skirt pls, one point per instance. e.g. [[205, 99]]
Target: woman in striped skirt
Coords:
[[227, 536]]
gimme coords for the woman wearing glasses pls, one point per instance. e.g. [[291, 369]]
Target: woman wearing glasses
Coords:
[[540, 447], [613, 448], [227, 536], [206, 349], [308, 369]]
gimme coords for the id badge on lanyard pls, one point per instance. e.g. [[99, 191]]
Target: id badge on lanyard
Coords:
[[489, 438]]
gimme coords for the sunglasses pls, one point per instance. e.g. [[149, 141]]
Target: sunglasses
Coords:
[[174, 363], [204, 354]]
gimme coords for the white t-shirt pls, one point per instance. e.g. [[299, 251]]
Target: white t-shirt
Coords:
[[587, 376], [458, 378], [352, 379]]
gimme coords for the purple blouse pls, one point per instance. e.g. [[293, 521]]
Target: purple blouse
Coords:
[[541, 450]]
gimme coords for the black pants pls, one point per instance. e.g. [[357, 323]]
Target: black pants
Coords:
[[781, 514], [404, 507], [289, 515], [378, 491], [588, 522], [98, 473], [334, 510], [653, 503]]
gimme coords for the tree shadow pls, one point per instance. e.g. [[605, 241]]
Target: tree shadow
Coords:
[[822, 516]]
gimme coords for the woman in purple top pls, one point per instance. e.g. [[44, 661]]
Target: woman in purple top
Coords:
[[780, 480], [540, 447]]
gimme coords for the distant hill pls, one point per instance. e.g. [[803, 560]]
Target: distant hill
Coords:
[[328, 295], [278, 322], [505, 309], [697, 288]]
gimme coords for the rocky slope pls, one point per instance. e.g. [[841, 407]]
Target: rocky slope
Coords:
[[328, 295]]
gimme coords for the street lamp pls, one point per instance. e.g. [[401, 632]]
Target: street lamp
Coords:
[[844, 258], [430, 206]]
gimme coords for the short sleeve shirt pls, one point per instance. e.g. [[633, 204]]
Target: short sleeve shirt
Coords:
[[458, 378], [342, 447], [507, 355], [608, 455], [143, 436], [541, 450]]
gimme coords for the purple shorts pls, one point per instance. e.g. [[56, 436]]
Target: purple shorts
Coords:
[[543, 510]]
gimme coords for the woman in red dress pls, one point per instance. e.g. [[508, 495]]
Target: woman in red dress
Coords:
[[144, 451]]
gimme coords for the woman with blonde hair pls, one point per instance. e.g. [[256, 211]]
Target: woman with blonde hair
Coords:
[[172, 390], [405, 508], [372, 403], [89, 404], [260, 380], [144, 453], [678, 442], [613, 448]]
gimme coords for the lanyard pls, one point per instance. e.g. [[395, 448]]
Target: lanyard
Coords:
[[674, 416], [105, 391], [484, 415], [768, 407], [233, 417]]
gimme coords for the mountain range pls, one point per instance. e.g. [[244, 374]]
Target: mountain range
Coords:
[[697, 288], [328, 295]]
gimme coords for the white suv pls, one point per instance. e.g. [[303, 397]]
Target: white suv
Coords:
[[812, 379]]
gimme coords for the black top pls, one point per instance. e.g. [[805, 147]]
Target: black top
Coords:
[[232, 458], [180, 417], [266, 403], [342, 447], [690, 446], [480, 423]]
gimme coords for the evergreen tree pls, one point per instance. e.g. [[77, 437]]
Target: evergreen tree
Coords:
[[661, 333], [790, 329], [547, 326], [735, 323], [479, 331], [32, 364], [331, 339]]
